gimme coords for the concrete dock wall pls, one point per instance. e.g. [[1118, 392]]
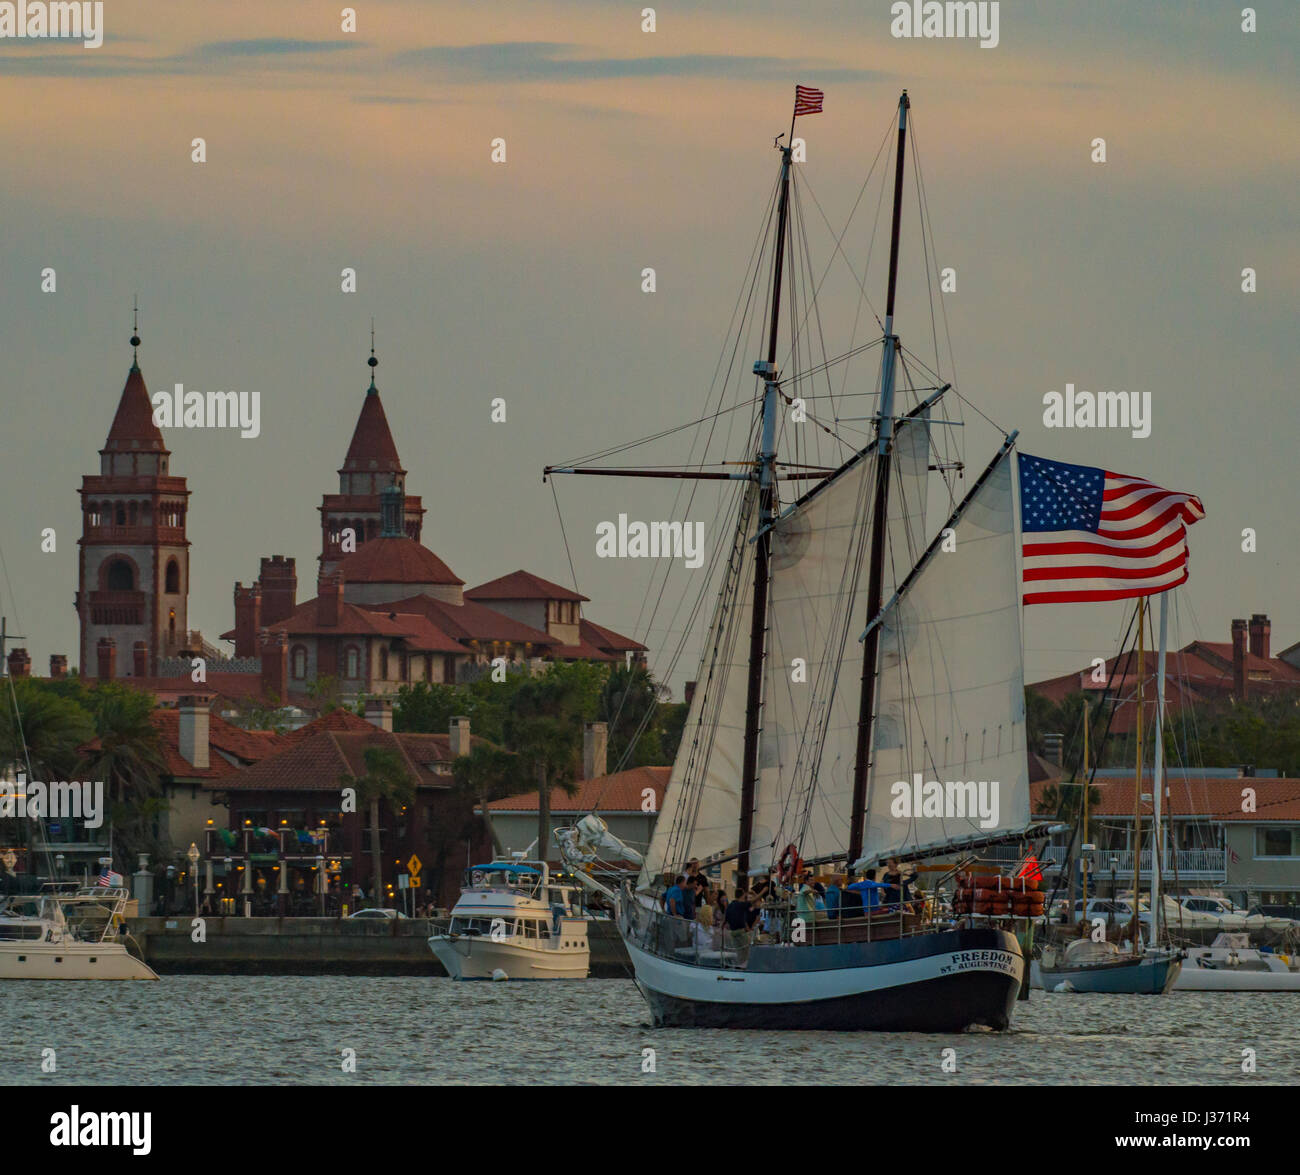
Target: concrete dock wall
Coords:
[[317, 946]]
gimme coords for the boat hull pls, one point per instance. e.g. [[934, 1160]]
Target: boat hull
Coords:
[[479, 957], [942, 982], [37, 960], [1146, 976], [1194, 977]]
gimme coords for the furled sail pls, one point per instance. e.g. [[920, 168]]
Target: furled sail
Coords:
[[820, 554], [948, 758], [700, 816]]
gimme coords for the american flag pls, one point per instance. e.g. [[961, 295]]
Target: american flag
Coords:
[[108, 877], [807, 100], [1094, 535]]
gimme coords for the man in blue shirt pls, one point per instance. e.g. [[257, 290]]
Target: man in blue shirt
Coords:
[[673, 898], [832, 897]]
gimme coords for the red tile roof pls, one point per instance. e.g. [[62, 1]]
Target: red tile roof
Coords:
[[471, 621], [522, 585], [133, 429], [340, 719], [621, 792], [606, 638], [422, 634], [249, 746], [372, 445], [227, 688], [317, 762], [396, 560], [1215, 799]]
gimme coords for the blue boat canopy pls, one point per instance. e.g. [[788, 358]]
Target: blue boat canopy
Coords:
[[504, 867]]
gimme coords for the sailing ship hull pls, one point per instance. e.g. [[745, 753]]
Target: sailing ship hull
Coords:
[[946, 981], [1150, 975]]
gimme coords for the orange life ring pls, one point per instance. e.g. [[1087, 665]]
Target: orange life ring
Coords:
[[790, 865]]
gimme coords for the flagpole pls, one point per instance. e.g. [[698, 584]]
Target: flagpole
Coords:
[[1158, 784]]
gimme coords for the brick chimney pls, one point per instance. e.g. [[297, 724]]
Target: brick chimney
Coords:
[[1260, 632], [58, 666], [279, 584], [1239, 676], [193, 729], [379, 712], [106, 658], [248, 619], [329, 599], [274, 648], [20, 664], [140, 659], [459, 737], [595, 747]]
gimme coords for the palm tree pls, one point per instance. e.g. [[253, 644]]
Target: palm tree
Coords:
[[544, 725], [489, 773], [386, 778], [40, 727]]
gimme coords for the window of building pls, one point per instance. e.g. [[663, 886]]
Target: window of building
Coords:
[[351, 662], [173, 583], [119, 514], [383, 664], [121, 578], [1277, 842], [298, 659]]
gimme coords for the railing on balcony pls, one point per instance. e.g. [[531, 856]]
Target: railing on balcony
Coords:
[[272, 842], [117, 607], [1186, 862]]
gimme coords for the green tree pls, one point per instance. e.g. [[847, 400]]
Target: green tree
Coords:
[[629, 703], [428, 707], [488, 773], [386, 779], [39, 726], [544, 726]]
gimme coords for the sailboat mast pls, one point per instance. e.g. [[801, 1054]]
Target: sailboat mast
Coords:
[[1137, 783], [884, 444], [762, 556], [1158, 779]]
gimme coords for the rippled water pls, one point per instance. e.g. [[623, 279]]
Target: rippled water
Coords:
[[292, 1030]]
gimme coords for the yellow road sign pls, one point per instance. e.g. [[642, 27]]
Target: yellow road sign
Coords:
[[413, 866]]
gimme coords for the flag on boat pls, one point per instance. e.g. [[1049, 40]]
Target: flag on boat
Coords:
[[1030, 871], [109, 878], [807, 100], [1090, 534]]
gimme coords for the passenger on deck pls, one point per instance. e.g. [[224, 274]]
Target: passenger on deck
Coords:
[[898, 887], [673, 897], [688, 898], [869, 892], [833, 894]]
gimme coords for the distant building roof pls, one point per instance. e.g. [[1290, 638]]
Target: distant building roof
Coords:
[[396, 560], [317, 762], [372, 447], [133, 429], [522, 585], [472, 621], [621, 792], [606, 638], [415, 627], [1211, 799]]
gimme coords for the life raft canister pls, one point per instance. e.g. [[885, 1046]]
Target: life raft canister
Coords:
[[790, 864]]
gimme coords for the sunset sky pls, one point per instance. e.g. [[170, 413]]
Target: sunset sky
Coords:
[[628, 150]]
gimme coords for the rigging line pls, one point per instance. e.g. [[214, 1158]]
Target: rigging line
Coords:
[[925, 200], [600, 454], [564, 535], [925, 367], [925, 253]]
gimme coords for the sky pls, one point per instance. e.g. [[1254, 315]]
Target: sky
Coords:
[[628, 150]]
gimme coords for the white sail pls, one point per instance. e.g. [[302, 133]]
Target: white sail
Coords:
[[949, 761], [820, 556], [700, 816]]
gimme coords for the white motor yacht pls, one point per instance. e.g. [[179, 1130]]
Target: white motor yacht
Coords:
[[67, 932], [513, 922], [1230, 963]]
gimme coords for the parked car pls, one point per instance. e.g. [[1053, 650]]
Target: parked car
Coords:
[[374, 914]]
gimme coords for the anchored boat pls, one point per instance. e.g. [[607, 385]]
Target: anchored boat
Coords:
[[512, 922], [67, 932]]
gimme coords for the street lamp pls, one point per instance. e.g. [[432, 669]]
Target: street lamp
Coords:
[[193, 856]]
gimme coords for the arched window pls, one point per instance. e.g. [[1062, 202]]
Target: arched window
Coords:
[[173, 582], [120, 514], [299, 661], [383, 664], [351, 662], [135, 512], [120, 578]]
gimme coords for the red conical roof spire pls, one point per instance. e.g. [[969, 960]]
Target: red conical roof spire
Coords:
[[372, 447], [133, 428]]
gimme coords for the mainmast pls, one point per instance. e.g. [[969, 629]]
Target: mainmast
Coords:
[[766, 465], [884, 445]]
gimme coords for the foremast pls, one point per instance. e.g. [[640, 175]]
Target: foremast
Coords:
[[875, 572], [765, 468]]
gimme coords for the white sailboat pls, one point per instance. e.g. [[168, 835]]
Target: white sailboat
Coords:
[[930, 695]]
